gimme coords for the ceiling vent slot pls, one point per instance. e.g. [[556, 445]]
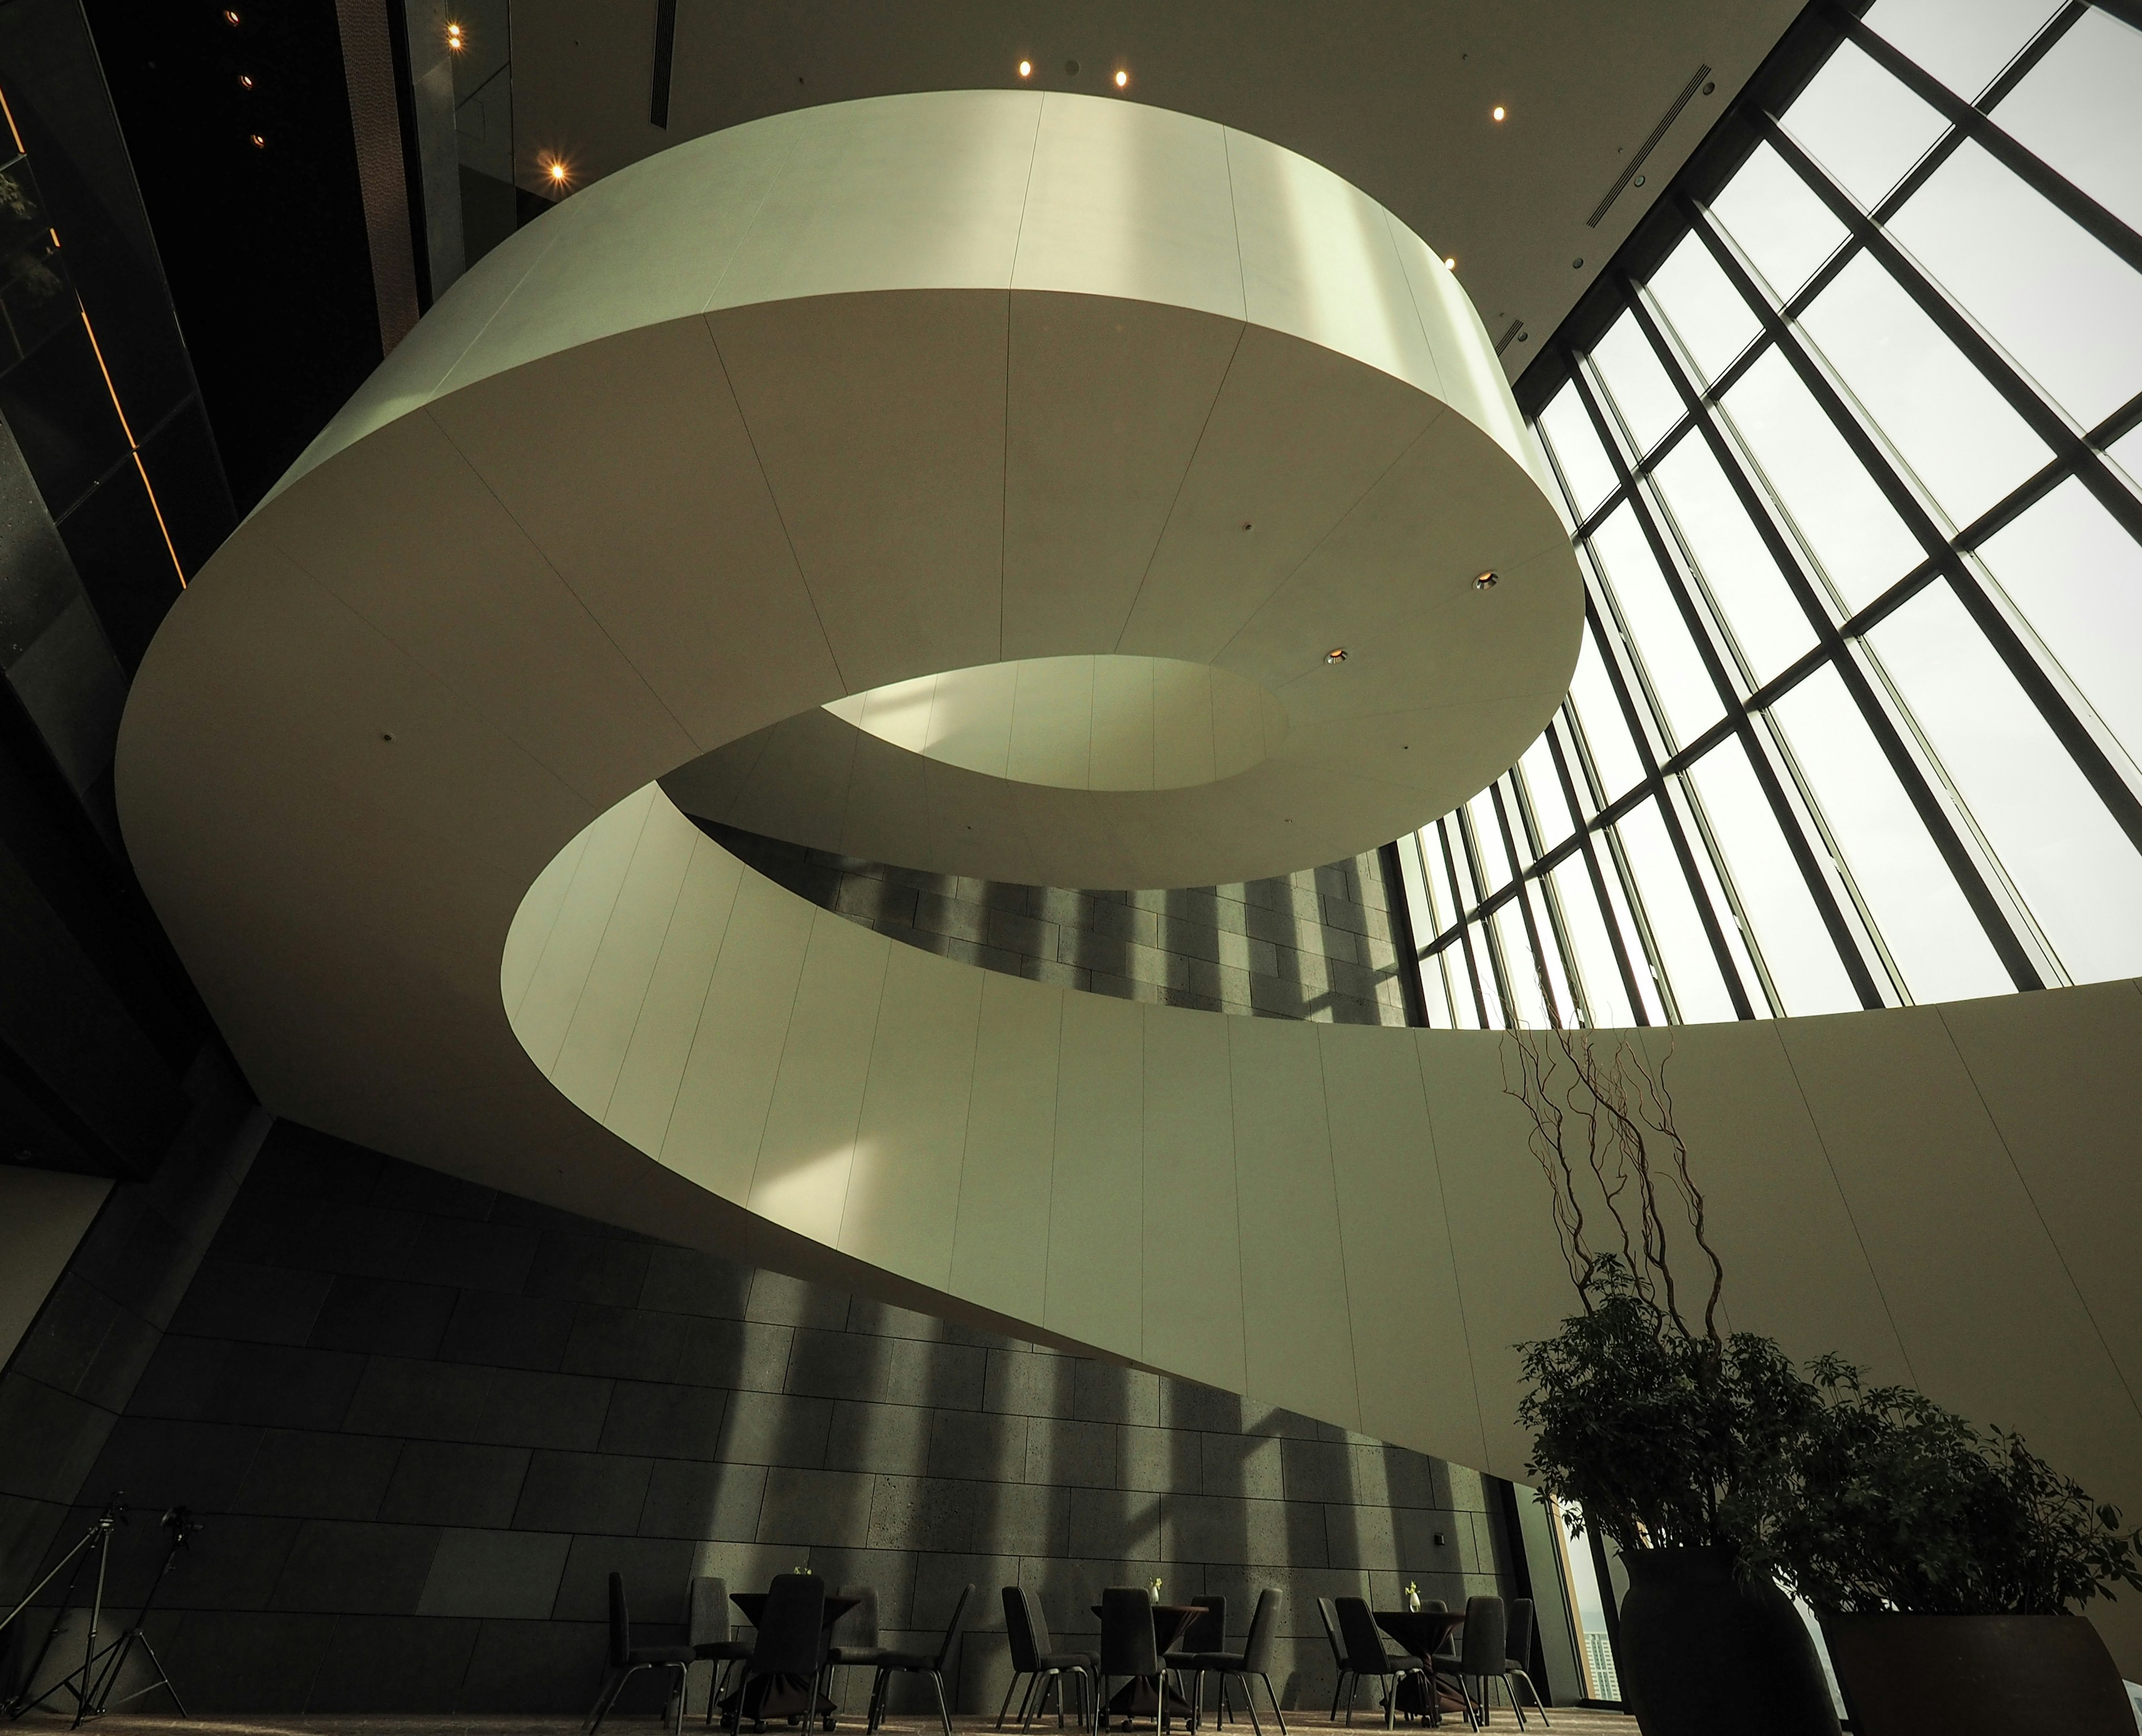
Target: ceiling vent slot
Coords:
[[1509, 337], [665, 57], [1635, 164]]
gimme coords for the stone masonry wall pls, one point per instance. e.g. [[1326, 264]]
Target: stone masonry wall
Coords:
[[422, 1420]]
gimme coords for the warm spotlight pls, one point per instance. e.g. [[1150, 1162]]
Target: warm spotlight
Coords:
[[455, 41], [557, 172], [259, 143], [1026, 69], [1336, 654], [232, 19], [1121, 79], [1450, 263], [245, 81], [1486, 581], [1498, 111]]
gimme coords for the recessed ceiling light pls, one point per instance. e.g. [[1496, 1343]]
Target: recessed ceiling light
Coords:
[[232, 18], [555, 171], [1071, 66], [1336, 654], [1026, 69], [1123, 78], [245, 81], [1577, 265], [259, 143], [1498, 112], [1450, 263], [1485, 581]]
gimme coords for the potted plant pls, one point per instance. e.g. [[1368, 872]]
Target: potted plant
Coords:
[[1945, 1562], [1668, 1433]]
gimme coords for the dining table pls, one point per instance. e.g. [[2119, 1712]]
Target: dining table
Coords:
[[1140, 1696], [786, 1696], [1420, 1633]]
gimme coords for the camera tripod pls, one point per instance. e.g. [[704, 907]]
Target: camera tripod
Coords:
[[90, 1684]]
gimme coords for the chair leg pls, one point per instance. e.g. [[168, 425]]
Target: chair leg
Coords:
[[944, 1711], [1009, 1686], [1250, 1700], [1251, 1696], [1539, 1705], [614, 1679]]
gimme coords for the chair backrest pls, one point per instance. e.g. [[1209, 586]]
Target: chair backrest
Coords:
[[1365, 1640], [792, 1627], [1485, 1649], [1264, 1627], [1330, 1614], [1018, 1630], [1037, 1624], [957, 1625], [1518, 1647], [707, 1620], [1128, 1645], [620, 1624], [1206, 1633], [858, 1627], [1435, 1607]]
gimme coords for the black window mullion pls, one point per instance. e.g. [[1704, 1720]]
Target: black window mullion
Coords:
[[2068, 443], [1995, 140], [1482, 910], [1684, 793], [1617, 859], [1464, 930], [1540, 972], [2014, 955], [1583, 841]]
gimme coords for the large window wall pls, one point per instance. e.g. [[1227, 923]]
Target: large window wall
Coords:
[[1849, 441]]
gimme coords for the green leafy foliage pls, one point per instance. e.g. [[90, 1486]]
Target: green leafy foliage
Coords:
[[1888, 1502], [1667, 1438]]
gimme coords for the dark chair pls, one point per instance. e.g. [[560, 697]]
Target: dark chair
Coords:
[[626, 1661], [1485, 1652], [929, 1663], [790, 1642], [1329, 1613], [1128, 1648], [1207, 1634], [1252, 1663], [1035, 1656], [1516, 1666], [855, 1642], [707, 1632], [1367, 1656]]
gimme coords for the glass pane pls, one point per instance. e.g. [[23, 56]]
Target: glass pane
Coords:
[[1550, 808], [1435, 993], [2077, 578], [1861, 124], [2066, 854], [1585, 465], [1643, 391], [1714, 891], [1483, 971], [1450, 908], [1706, 312], [1564, 1008], [1861, 542], [1691, 966], [1684, 687], [1505, 788], [1617, 912], [1767, 622], [1964, 43], [1613, 754], [1779, 222], [2088, 355], [1607, 1002], [1940, 412], [1796, 948], [2077, 109], [1929, 928], [1487, 839], [1520, 960], [1464, 1009]]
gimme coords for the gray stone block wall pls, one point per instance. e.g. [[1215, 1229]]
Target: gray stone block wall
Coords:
[[1316, 945], [422, 1422]]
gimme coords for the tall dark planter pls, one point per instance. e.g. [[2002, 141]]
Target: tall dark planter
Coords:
[[1701, 1652], [1978, 1675]]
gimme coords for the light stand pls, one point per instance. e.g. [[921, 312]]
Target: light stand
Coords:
[[181, 1524], [96, 1540]]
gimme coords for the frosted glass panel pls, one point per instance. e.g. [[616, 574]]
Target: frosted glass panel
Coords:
[[1935, 938], [1691, 966], [1767, 621], [1641, 390], [2065, 854], [1939, 411], [2089, 354], [2076, 577], [1862, 544], [1684, 687], [1706, 312], [1964, 43], [1861, 124], [1779, 223], [2077, 109], [1796, 944]]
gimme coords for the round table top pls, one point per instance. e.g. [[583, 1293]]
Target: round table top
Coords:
[[752, 1602], [1421, 1631]]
